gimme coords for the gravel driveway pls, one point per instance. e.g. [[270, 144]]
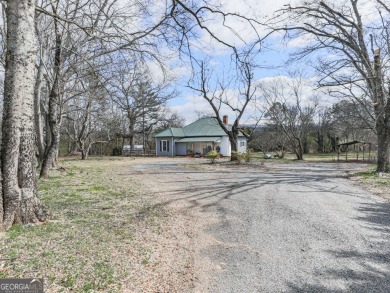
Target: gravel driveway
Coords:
[[301, 227]]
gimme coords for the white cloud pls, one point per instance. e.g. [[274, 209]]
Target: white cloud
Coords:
[[189, 105], [242, 32]]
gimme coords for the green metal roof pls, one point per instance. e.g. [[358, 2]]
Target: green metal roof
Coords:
[[204, 127], [201, 139], [172, 131], [164, 133], [177, 132]]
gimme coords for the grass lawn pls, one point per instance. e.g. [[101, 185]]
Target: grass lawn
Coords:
[[97, 237], [379, 184], [324, 157]]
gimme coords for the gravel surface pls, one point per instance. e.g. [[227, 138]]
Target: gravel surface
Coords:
[[301, 227]]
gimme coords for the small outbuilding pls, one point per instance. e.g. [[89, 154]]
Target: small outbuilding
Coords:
[[358, 146], [197, 139]]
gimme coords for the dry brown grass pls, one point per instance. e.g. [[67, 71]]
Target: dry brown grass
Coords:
[[373, 182], [105, 234]]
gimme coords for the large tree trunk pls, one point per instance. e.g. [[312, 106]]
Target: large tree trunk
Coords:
[[383, 131], [51, 153], [84, 154], [21, 203], [84, 150], [233, 134], [382, 112]]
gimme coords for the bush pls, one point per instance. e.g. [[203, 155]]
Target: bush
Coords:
[[242, 157], [248, 155], [212, 156], [117, 151]]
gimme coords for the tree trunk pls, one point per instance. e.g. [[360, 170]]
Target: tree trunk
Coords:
[[21, 203], [299, 149], [333, 142], [233, 143], [320, 142], [84, 150], [84, 154], [305, 145], [51, 153], [131, 135], [383, 164], [382, 112], [38, 118], [131, 142], [299, 155]]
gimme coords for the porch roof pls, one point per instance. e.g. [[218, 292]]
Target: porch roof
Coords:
[[201, 139]]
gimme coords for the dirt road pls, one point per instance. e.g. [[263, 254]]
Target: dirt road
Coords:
[[274, 228]]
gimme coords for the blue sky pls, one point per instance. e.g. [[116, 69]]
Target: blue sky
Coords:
[[187, 103]]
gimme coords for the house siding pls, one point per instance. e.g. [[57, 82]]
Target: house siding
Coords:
[[181, 148], [169, 152], [225, 146], [240, 148]]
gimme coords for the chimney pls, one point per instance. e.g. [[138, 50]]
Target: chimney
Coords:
[[225, 120]]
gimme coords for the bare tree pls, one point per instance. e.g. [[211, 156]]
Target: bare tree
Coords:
[[104, 28], [350, 121], [322, 124], [133, 91], [270, 138], [19, 201], [234, 100], [82, 31], [85, 115], [286, 109], [356, 51]]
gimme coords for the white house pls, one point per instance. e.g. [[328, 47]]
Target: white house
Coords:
[[197, 138]]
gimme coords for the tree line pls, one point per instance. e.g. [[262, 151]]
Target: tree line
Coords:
[[82, 69], [72, 66]]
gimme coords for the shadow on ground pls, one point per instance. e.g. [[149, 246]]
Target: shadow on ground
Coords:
[[207, 187], [367, 272]]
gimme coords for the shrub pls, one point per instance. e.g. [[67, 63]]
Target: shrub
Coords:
[[242, 157], [117, 151], [212, 156], [248, 155]]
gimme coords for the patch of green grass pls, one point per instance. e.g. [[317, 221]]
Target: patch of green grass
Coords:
[[98, 188], [68, 282], [15, 231], [12, 254], [3, 274], [46, 185], [90, 246], [367, 174], [88, 287], [146, 253], [378, 183]]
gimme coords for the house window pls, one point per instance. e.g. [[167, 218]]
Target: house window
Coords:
[[242, 143], [164, 145]]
